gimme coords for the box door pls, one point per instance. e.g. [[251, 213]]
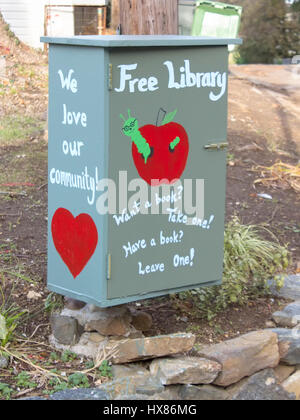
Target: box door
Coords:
[[175, 98]]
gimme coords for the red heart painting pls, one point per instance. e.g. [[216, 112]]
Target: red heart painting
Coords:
[[75, 239]]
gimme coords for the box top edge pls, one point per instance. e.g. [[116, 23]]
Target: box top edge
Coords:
[[111, 41]]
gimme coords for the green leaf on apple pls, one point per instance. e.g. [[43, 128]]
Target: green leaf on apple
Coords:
[[169, 117]]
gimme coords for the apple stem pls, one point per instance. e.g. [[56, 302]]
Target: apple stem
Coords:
[[174, 143], [158, 115]]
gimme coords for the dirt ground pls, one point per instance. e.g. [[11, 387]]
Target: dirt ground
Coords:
[[263, 128]]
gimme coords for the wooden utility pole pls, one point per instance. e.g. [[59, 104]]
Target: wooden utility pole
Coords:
[[115, 14], [149, 17]]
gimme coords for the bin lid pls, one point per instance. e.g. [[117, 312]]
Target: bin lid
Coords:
[[111, 41]]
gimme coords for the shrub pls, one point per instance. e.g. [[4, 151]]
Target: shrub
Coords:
[[270, 30], [249, 262]]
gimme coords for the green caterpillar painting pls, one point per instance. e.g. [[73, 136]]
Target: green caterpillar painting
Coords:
[[131, 129]]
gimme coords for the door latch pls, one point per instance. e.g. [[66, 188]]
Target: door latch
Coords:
[[216, 146]]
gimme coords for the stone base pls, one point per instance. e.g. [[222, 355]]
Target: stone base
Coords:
[[116, 322], [119, 350], [244, 368]]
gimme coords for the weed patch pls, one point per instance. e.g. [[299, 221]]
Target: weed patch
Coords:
[[10, 317]]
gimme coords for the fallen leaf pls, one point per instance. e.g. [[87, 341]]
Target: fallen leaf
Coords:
[[32, 295]]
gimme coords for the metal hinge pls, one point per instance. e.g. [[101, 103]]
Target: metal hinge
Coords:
[[216, 146], [108, 267], [110, 77]]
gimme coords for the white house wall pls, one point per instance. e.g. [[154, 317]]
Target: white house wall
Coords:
[[77, 2], [25, 18]]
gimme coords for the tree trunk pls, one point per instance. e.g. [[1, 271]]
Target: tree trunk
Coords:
[[149, 17]]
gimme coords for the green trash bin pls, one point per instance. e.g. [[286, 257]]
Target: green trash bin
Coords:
[[217, 19], [136, 165]]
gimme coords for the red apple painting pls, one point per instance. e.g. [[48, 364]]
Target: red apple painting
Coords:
[[159, 153], [75, 239]]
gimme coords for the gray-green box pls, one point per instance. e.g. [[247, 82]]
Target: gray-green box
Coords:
[[137, 165]]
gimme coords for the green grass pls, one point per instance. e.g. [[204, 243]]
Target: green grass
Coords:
[[14, 129]]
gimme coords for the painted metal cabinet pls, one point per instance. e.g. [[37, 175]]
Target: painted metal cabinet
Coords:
[[137, 165]]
